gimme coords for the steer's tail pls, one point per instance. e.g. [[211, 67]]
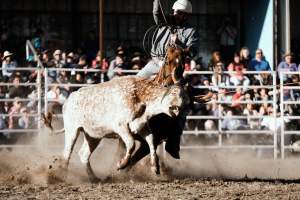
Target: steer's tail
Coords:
[[48, 122]]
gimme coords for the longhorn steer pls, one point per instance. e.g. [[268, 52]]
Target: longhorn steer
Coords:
[[121, 106]]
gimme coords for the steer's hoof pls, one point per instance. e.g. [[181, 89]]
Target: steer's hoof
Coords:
[[134, 127], [123, 163]]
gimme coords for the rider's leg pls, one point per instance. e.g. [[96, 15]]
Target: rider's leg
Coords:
[[149, 70]]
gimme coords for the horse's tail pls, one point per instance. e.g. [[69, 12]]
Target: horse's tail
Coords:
[[48, 122]]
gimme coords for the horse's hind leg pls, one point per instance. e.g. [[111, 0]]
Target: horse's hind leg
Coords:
[[85, 152]]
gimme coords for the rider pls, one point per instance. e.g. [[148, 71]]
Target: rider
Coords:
[[172, 29]]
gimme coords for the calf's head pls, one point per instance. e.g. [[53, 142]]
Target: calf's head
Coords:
[[172, 101]]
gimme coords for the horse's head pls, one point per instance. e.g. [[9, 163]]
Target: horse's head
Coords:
[[173, 68]]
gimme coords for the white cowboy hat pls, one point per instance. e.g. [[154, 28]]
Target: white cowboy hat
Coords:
[[183, 5], [6, 54]]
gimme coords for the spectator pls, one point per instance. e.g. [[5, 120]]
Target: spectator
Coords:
[[137, 61], [245, 57], [14, 110], [259, 64], [23, 121], [54, 94], [238, 77], [80, 76], [287, 66], [8, 65], [100, 62], [230, 123], [117, 64], [249, 111], [236, 98], [56, 62], [219, 79], [17, 90], [215, 58], [70, 61]]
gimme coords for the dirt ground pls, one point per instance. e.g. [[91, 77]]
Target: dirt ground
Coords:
[[175, 189], [34, 173]]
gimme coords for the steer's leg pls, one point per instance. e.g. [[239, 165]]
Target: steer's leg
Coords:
[[128, 140], [85, 152], [153, 156], [71, 135]]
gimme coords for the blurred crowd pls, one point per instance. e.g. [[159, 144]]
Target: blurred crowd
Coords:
[[62, 65]]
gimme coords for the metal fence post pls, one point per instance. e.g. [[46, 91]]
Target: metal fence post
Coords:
[[39, 106], [281, 116], [275, 115], [45, 91]]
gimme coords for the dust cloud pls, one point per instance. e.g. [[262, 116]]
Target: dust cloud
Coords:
[[41, 164]]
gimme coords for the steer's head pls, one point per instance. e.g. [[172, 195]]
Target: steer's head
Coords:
[[172, 101]]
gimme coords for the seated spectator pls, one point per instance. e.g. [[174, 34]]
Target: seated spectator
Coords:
[[80, 76], [137, 61], [236, 98], [14, 110], [70, 64], [23, 121], [8, 65], [100, 62], [264, 97], [219, 79], [249, 111], [56, 62], [55, 98], [3, 119], [230, 123], [238, 77], [117, 64], [287, 66], [259, 64], [215, 58], [245, 57], [16, 90], [57, 59]]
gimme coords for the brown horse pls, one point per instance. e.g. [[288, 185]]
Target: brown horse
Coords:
[[172, 70]]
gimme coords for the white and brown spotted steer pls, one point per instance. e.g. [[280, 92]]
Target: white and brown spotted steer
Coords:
[[120, 107]]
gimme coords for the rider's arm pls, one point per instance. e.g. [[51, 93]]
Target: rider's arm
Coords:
[[157, 13], [193, 43]]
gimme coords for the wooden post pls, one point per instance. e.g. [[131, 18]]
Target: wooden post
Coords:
[[101, 15]]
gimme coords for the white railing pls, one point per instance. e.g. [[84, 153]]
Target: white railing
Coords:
[[34, 116], [220, 133], [283, 117]]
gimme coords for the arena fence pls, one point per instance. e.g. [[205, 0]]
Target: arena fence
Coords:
[[33, 109], [277, 133], [287, 120]]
